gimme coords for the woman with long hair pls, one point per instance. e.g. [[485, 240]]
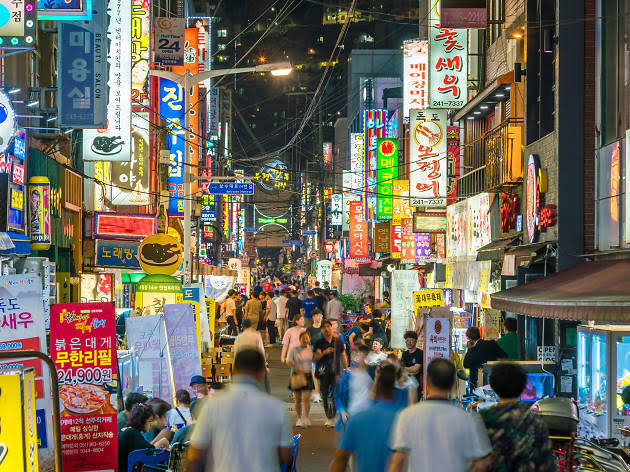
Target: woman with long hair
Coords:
[[300, 359]]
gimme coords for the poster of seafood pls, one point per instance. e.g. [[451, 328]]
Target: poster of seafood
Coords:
[[22, 329], [182, 343], [83, 348]]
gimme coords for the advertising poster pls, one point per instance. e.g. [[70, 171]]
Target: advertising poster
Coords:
[[404, 283], [448, 63], [428, 158], [181, 334], [416, 76], [169, 41], [140, 57], [39, 212], [437, 338], [423, 246], [387, 160], [21, 329], [408, 243], [96, 287], [83, 348], [114, 142], [193, 294], [147, 336], [172, 110], [358, 231], [374, 122], [82, 57]]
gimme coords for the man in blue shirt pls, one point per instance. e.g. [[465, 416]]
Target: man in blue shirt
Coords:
[[309, 305], [367, 434]]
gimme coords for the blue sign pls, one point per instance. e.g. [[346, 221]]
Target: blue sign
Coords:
[[250, 230], [208, 216], [309, 233], [40, 418], [172, 110], [82, 85], [64, 10], [293, 243], [228, 188], [117, 254]]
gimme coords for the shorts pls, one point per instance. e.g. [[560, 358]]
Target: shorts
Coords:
[[261, 325]]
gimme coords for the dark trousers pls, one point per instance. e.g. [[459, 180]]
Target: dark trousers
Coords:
[[272, 331], [232, 329], [327, 389]]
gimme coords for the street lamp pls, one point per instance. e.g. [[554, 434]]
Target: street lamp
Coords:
[[188, 80]]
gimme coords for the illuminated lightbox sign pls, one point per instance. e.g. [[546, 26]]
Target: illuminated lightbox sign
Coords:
[[18, 23], [64, 10], [7, 121], [263, 221], [117, 225], [429, 222], [274, 175]]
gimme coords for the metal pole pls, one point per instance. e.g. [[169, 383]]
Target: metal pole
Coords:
[[187, 182]]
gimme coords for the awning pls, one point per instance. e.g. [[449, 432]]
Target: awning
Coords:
[[597, 291], [488, 95], [494, 251], [15, 243]]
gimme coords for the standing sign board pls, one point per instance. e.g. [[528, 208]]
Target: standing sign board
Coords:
[[437, 338], [83, 348], [324, 272], [404, 283], [182, 343]]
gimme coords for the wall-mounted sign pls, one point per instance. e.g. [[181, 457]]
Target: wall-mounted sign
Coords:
[[169, 41], [268, 220], [468, 226], [425, 222], [416, 76], [423, 246], [62, 10], [228, 188], [327, 149], [358, 231], [336, 209], [114, 142], [374, 122], [7, 121], [123, 226], [453, 150], [160, 254], [428, 179], [464, 14], [510, 209], [387, 160], [274, 175], [117, 254], [448, 63], [324, 271], [533, 197], [39, 212], [382, 237], [18, 23]]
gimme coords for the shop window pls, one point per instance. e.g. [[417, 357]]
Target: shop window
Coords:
[[496, 18]]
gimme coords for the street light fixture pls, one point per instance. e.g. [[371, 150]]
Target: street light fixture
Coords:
[[188, 80]]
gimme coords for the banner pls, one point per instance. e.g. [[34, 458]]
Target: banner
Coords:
[[415, 76], [147, 336], [452, 145], [448, 63], [172, 110], [382, 237], [213, 117], [169, 41], [114, 142], [404, 283], [324, 272], [358, 231], [182, 343], [437, 341], [336, 210], [140, 57], [211, 311], [408, 242], [387, 160], [374, 122], [82, 65], [22, 328], [427, 298], [423, 246], [83, 348], [428, 161]]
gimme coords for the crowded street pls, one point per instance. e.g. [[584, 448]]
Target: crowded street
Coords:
[[314, 236]]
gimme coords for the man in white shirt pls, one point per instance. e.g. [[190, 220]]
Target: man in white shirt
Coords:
[[334, 307], [249, 338], [272, 315], [281, 303], [228, 313], [435, 435], [242, 429]]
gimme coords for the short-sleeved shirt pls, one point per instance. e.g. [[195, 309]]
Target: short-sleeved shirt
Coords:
[[174, 418], [315, 334], [367, 436], [509, 343], [281, 303], [334, 368], [242, 428], [294, 305], [428, 431], [183, 434], [519, 438], [302, 357], [291, 337], [309, 305], [409, 360], [129, 439], [378, 329], [334, 309], [273, 310]]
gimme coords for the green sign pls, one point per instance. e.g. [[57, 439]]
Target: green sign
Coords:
[[280, 221], [386, 172]]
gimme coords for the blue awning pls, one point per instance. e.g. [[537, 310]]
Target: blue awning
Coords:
[[15, 243]]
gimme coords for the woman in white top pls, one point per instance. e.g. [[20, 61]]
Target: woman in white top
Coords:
[[249, 338], [301, 360], [179, 416]]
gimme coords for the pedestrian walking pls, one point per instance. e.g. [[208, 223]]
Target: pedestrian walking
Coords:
[[294, 307], [253, 309], [300, 360], [308, 306], [519, 438], [366, 437], [272, 316], [334, 307], [249, 338], [228, 313], [330, 360], [352, 392], [261, 327], [435, 435], [291, 338], [243, 429], [282, 311]]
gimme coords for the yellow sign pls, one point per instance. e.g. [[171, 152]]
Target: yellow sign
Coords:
[[211, 309], [160, 254], [17, 199], [426, 298]]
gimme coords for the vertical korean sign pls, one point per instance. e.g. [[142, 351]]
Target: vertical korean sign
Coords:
[[387, 154], [83, 348], [448, 62], [182, 343], [114, 142], [408, 242], [428, 158], [353, 184], [21, 329], [452, 144], [374, 122], [416, 76], [358, 231], [172, 110], [81, 92], [404, 283]]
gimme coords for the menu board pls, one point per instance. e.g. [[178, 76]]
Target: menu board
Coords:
[[83, 348]]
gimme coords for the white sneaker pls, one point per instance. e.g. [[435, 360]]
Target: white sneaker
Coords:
[[316, 398], [298, 423], [306, 422]]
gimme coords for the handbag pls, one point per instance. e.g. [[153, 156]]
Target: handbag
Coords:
[[297, 381]]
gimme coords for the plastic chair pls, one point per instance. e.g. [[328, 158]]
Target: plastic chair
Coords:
[[148, 459], [295, 448]]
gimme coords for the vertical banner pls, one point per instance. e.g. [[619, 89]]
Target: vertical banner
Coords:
[[327, 154], [39, 212], [382, 237], [423, 246], [348, 196], [448, 63], [374, 122], [83, 348], [147, 335], [211, 309], [213, 117], [324, 272], [408, 242], [81, 92], [452, 145], [387, 161], [428, 158], [172, 110], [404, 283], [140, 46], [336, 211], [114, 142], [437, 339], [416, 76], [358, 231], [23, 329], [440, 245], [181, 334]]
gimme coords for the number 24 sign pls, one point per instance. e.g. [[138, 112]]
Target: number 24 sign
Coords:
[[169, 39]]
